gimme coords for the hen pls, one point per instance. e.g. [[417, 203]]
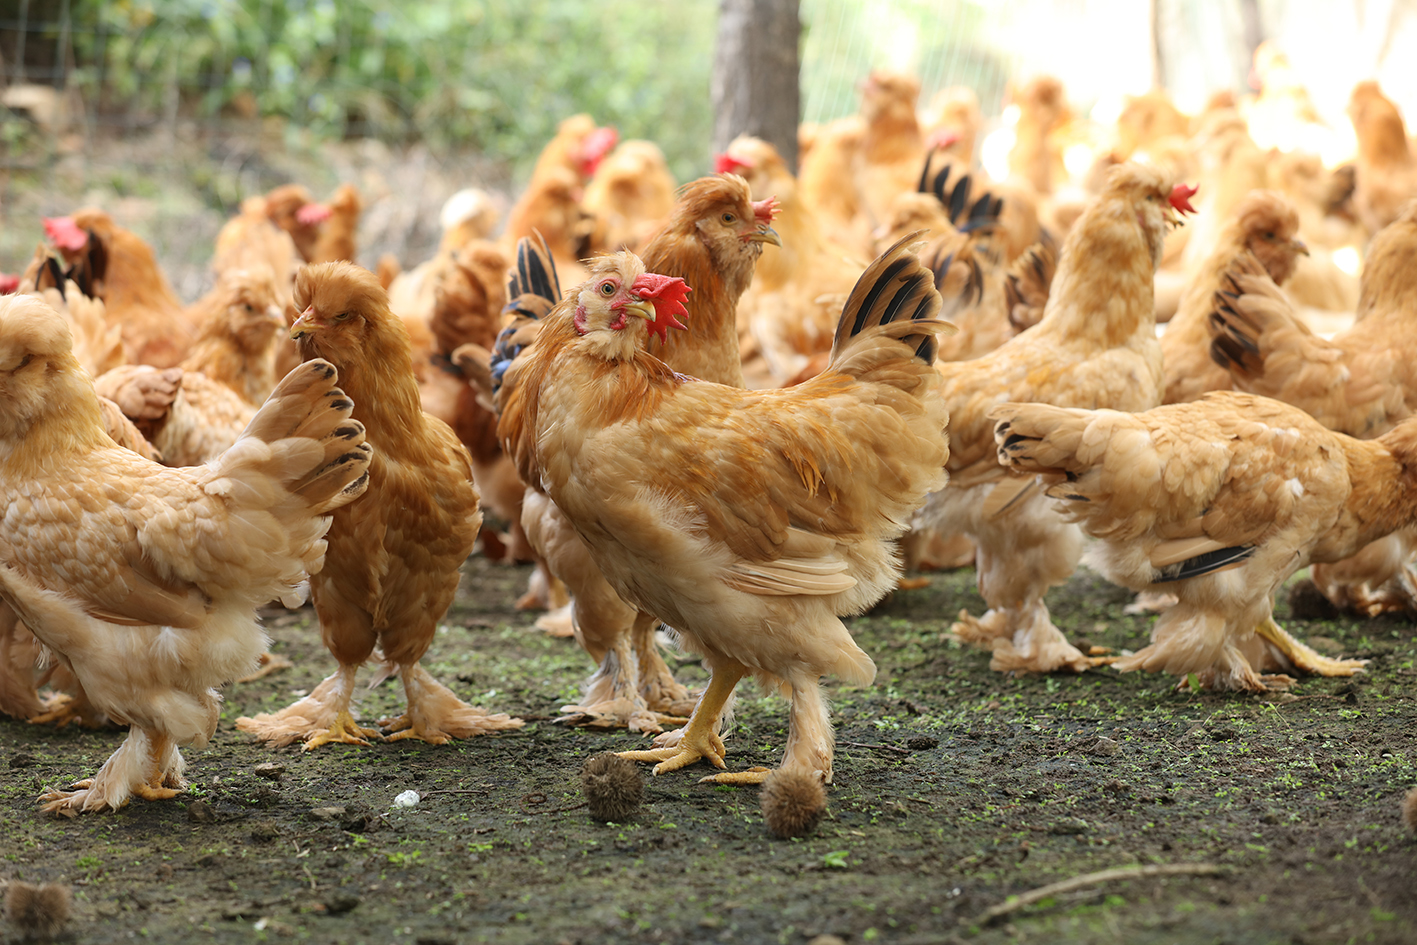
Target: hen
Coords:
[[1095, 346], [1218, 500], [393, 561], [714, 237], [145, 580], [748, 520], [1386, 170], [892, 147], [1265, 226], [630, 195], [120, 269], [1361, 383], [194, 412]]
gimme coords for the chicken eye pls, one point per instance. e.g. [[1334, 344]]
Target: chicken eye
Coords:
[[729, 218], [1269, 234], [248, 307], [24, 361], [342, 316], [607, 288]]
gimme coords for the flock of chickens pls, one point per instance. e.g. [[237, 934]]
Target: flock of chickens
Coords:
[[731, 425]]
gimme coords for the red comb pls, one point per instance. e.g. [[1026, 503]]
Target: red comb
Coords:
[[765, 210], [8, 283], [312, 214], [64, 233], [596, 145], [728, 164], [667, 294], [942, 139], [1181, 196]]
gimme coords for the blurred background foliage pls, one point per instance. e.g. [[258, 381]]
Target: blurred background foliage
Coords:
[[491, 76]]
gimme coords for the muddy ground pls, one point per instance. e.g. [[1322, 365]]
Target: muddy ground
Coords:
[[955, 788]]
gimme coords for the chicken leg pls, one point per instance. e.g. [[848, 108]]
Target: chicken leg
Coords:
[[319, 718], [435, 715], [147, 764], [699, 740], [1304, 659]]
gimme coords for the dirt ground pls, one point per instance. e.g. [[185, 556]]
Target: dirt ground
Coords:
[[955, 788]]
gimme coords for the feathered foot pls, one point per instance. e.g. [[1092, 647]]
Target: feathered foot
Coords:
[[267, 664], [557, 623], [699, 740], [320, 718], [1304, 659], [612, 698], [662, 693], [435, 715], [61, 709], [147, 764], [809, 746], [1022, 639]]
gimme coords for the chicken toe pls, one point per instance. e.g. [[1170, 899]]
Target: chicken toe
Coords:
[[436, 715], [1302, 657]]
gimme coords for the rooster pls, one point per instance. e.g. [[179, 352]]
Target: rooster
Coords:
[[1095, 346], [143, 580], [747, 520], [714, 237]]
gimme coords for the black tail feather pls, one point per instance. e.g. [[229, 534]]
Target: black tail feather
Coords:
[[897, 285]]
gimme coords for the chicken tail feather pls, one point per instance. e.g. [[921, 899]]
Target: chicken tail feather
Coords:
[[896, 293]]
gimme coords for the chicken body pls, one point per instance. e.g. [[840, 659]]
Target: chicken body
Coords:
[[143, 580], [713, 238], [1265, 225], [1219, 501], [1095, 346], [392, 570], [1386, 173], [747, 520], [1362, 383]]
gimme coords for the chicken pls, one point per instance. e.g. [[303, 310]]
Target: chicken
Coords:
[[1095, 346], [204, 405], [829, 188], [952, 123], [292, 208], [337, 232], [551, 207], [145, 580], [748, 520], [124, 273], [97, 344], [578, 146], [1360, 383], [1265, 225], [798, 287], [1146, 120], [714, 237], [392, 567], [1036, 158], [1386, 172], [630, 195], [892, 147], [1219, 500]]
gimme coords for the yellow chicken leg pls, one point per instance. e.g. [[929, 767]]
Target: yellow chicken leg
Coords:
[[1303, 657], [699, 739], [435, 715], [319, 718]]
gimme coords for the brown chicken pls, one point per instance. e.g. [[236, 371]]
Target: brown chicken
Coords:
[[748, 520], [795, 298], [551, 206], [1095, 345], [630, 195], [195, 412], [392, 567], [828, 185], [338, 233], [1036, 158], [892, 147], [714, 237], [1266, 226], [97, 344], [1361, 383], [144, 580], [578, 146], [1218, 500], [122, 271], [1386, 175]]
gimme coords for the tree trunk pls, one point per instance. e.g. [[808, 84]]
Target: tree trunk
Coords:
[[754, 84]]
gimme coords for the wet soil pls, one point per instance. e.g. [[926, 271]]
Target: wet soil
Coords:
[[955, 788]]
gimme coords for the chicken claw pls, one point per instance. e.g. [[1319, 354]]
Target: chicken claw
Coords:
[[754, 775], [267, 664], [343, 729], [680, 749], [1303, 657]]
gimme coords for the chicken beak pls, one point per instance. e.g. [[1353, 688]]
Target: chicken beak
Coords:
[[1300, 248], [276, 314], [304, 325], [764, 234], [641, 307]]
